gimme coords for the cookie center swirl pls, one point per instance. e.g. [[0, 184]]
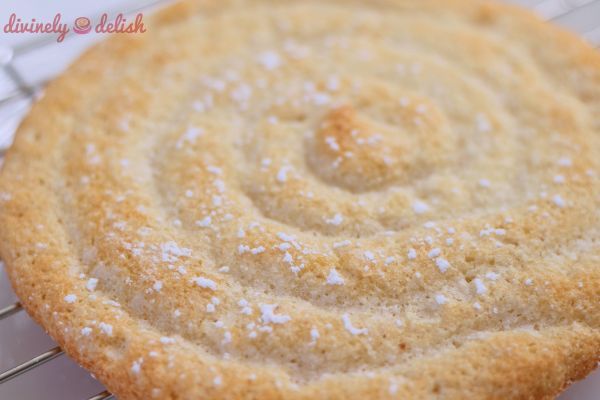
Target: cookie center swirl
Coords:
[[378, 143]]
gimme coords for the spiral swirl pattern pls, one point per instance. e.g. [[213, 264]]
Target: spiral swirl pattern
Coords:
[[299, 199]]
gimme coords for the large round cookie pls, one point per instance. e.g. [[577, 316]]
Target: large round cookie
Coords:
[[317, 199]]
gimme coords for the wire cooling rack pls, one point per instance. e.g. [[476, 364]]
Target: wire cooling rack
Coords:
[[22, 81]]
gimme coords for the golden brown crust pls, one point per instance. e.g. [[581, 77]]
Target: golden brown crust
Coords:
[[405, 194]]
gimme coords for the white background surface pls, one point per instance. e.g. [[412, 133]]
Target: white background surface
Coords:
[[20, 338]]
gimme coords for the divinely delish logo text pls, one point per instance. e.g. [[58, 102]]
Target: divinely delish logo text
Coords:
[[81, 25]]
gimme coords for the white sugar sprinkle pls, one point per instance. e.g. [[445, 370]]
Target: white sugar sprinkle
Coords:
[[488, 231], [70, 298], [350, 328], [190, 135], [86, 331], [420, 207], [558, 200], [205, 283], [167, 340], [333, 83], [433, 253], [257, 250], [412, 254], [269, 59], [479, 286], [91, 284], [369, 255], [336, 220], [440, 299], [111, 303], [314, 334], [136, 366], [246, 310], [492, 276], [282, 174], [106, 328], [220, 185], [171, 251], [285, 237], [227, 337], [320, 98], [269, 316], [205, 222], [330, 140], [565, 162], [442, 264], [242, 93], [334, 278], [214, 170], [199, 106], [483, 124], [343, 243], [157, 286]]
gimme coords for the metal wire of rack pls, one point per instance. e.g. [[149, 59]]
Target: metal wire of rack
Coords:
[[580, 15]]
